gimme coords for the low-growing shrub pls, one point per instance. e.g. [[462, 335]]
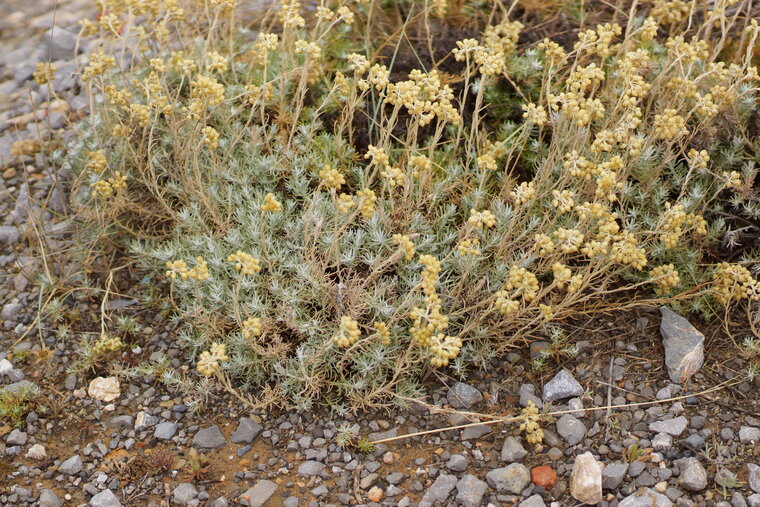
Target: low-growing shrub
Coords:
[[333, 221]]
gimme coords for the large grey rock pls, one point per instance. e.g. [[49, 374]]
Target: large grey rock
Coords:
[[463, 396], [510, 479], [209, 438], [105, 498], [512, 450], [527, 393], [16, 437], [562, 386], [470, 491], [60, 44], [586, 479], [475, 432], [165, 430], [310, 468], [532, 501], [754, 500], [184, 493], [753, 473], [571, 429], [259, 494], [673, 427], [11, 311], [247, 431], [71, 466], [646, 497], [48, 498], [693, 475], [684, 346], [439, 491], [613, 475], [749, 435]]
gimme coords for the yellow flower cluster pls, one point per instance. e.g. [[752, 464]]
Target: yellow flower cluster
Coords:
[[290, 14], [179, 268], [210, 137], [383, 332], [733, 179], [598, 41], [271, 203], [246, 263], [532, 428], [574, 101], [43, 73], [429, 321], [345, 203], [367, 200], [107, 343], [379, 77], [425, 97], [543, 243], [553, 52], [252, 327], [674, 219], [568, 240], [563, 201], [311, 49], [669, 125], [666, 277], [403, 242], [265, 43], [668, 12], [487, 162], [481, 219], [523, 193], [208, 362], [499, 42], [99, 63], [734, 282], [331, 178], [394, 175], [469, 246], [419, 164], [535, 114], [698, 159], [444, 349], [96, 161], [103, 189], [348, 332], [206, 92]]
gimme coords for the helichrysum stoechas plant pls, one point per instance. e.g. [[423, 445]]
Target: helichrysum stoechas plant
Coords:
[[342, 223]]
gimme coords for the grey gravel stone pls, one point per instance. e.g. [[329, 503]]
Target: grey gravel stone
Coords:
[[470, 490], [571, 429], [463, 396], [512, 450], [737, 500], [259, 494], [562, 386], [646, 497], [532, 501], [754, 500], [310, 468], [695, 442], [528, 393], [749, 435], [684, 346], [753, 473], [11, 311], [247, 431], [457, 463], [48, 498], [475, 432], [9, 234], [673, 427], [693, 475], [71, 466], [209, 438], [143, 421], [613, 475], [513, 478], [59, 44], [16, 437], [105, 498], [662, 442], [184, 493], [165, 430], [439, 491]]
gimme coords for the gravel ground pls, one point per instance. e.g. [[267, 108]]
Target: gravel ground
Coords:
[[89, 441]]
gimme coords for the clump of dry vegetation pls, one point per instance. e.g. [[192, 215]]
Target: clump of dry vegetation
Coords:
[[333, 220]]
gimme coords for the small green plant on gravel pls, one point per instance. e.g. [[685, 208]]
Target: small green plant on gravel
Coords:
[[332, 220], [365, 446], [14, 406]]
